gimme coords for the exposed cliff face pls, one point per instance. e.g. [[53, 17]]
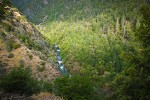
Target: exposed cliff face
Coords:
[[22, 43]]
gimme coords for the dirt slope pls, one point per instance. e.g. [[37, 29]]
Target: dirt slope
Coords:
[[22, 43]]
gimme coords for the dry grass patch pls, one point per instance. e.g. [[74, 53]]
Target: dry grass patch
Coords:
[[46, 96]]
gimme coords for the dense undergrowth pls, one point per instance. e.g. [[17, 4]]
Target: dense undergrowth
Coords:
[[20, 81]]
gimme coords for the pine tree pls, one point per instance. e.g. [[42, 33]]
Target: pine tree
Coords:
[[133, 83]]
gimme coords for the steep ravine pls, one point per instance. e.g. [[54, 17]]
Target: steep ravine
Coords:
[[22, 44]]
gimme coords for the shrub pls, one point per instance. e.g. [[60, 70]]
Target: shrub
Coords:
[[43, 63], [2, 12], [30, 56], [16, 45], [16, 81], [45, 86], [11, 44], [2, 34], [100, 70], [22, 37], [30, 34], [6, 2], [19, 81], [40, 68], [74, 88], [21, 63], [23, 18], [1, 65], [2, 69], [10, 55]]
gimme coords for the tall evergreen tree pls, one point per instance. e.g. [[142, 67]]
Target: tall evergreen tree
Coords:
[[134, 82]]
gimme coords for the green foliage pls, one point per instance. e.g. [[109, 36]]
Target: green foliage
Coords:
[[19, 81], [1, 65], [30, 56], [22, 18], [97, 37], [21, 63], [11, 44], [26, 40], [100, 70], [74, 88], [16, 45], [3, 11], [40, 68], [134, 81], [45, 86], [30, 34], [6, 2], [43, 63], [2, 69], [3, 35], [16, 81], [10, 55]]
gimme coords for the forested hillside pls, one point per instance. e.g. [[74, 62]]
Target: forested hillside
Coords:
[[99, 41], [90, 33]]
